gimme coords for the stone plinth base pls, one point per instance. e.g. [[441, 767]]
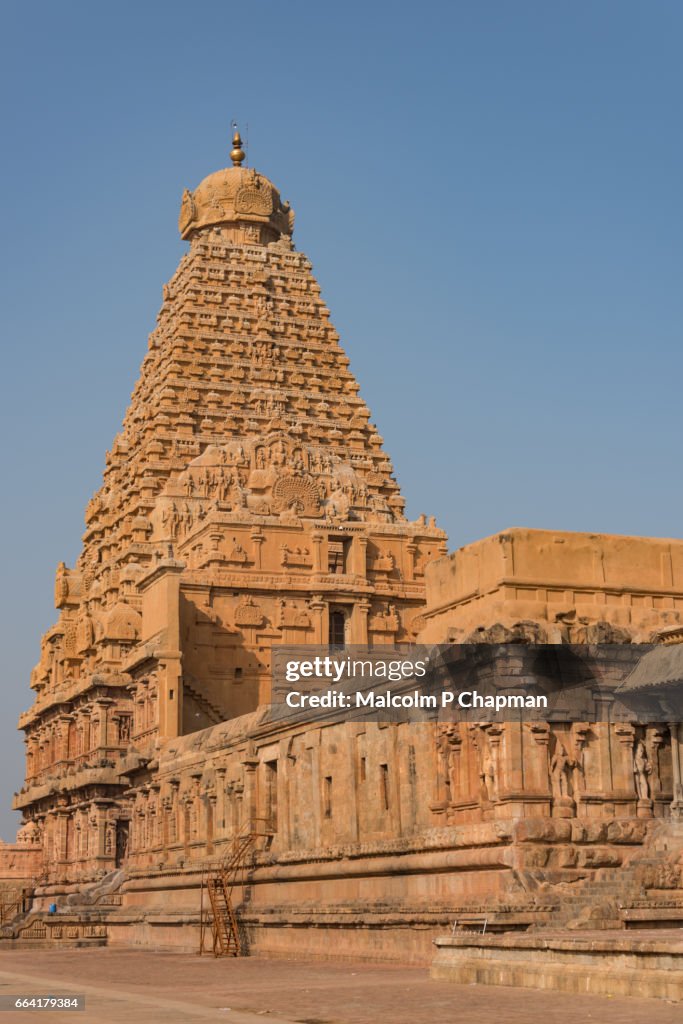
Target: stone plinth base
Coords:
[[606, 964], [564, 807], [645, 809], [653, 913], [54, 931], [353, 933]]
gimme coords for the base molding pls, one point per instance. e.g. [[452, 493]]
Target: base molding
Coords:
[[614, 964]]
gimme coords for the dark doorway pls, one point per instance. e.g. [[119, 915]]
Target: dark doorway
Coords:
[[337, 629], [121, 842]]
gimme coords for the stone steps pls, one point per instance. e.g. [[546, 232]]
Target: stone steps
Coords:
[[215, 714], [607, 964], [602, 901]]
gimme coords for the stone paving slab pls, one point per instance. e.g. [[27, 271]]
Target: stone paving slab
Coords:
[[141, 987], [106, 1003]]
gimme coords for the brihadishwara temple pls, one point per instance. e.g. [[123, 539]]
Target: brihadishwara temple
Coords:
[[248, 502]]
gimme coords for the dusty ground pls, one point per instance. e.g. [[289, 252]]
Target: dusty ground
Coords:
[[132, 987]]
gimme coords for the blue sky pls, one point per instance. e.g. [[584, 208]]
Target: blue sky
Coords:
[[490, 193]]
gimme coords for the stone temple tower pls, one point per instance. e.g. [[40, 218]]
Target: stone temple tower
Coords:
[[246, 502]]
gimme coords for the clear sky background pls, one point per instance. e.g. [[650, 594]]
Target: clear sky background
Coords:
[[490, 193]]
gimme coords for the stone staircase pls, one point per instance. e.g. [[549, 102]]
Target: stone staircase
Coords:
[[79, 920], [102, 893], [596, 902], [602, 901], [213, 712]]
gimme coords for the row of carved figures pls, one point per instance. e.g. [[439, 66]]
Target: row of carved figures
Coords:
[[565, 760]]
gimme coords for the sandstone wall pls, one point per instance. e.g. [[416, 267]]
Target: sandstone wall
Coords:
[[567, 584]]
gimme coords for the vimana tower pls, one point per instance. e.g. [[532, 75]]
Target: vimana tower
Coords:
[[247, 501]]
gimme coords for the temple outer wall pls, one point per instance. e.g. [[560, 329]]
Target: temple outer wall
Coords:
[[561, 581], [19, 863]]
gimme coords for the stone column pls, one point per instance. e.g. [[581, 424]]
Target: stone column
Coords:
[[174, 824], [103, 705], [395, 815], [511, 762], [237, 801], [155, 836], [312, 747], [165, 809], [285, 765], [250, 762], [50, 842], [677, 802], [62, 827], [537, 760], [359, 546], [447, 745], [317, 539], [657, 736], [257, 539], [624, 782], [495, 735], [137, 826], [64, 724], [317, 607], [100, 815], [220, 800], [601, 758], [32, 756], [411, 551], [359, 623], [195, 808], [87, 729], [211, 801], [95, 729]]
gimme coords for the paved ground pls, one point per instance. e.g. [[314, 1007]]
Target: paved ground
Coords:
[[134, 987]]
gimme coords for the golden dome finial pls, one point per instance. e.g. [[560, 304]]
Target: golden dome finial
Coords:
[[236, 153]]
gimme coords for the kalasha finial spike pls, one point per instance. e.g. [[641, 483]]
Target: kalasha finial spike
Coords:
[[236, 153]]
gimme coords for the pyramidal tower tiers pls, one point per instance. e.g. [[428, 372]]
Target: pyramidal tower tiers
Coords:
[[246, 502]]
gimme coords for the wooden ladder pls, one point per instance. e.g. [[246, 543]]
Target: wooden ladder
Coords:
[[226, 938], [220, 885]]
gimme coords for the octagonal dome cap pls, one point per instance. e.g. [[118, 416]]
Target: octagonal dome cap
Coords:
[[235, 195]]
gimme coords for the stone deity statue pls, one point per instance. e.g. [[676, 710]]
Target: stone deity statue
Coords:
[[641, 770], [561, 769]]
